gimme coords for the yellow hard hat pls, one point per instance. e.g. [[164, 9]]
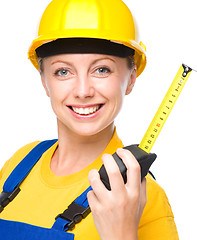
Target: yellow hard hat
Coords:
[[97, 19]]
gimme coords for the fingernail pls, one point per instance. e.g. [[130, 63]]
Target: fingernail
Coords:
[[119, 149], [104, 155]]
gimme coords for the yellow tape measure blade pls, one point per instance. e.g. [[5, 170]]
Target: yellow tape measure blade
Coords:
[[165, 108]]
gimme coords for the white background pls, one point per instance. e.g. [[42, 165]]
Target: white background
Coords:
[[168, 29]]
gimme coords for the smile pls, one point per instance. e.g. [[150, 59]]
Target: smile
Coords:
[[85, 110]]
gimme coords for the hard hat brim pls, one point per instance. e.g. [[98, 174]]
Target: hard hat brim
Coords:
[[140, 54], [83, 45]]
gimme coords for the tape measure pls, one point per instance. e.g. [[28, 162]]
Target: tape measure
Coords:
[[165, 108]]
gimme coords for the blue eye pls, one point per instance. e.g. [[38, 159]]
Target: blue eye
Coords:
[[61, 72], [103, 70]]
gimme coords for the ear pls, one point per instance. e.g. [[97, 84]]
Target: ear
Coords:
[[44, 84], [132, 79]]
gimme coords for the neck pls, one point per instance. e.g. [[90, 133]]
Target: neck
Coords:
[[76, 152]]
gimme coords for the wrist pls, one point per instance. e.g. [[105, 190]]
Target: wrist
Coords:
[[125, 237], [131, 236]]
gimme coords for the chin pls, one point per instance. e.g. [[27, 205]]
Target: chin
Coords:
[[88, 131]]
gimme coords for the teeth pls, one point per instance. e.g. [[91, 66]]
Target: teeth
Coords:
[[85, 111]]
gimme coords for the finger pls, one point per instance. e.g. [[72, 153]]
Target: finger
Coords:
[[143, 197], [92, 199], [133, 168], [143, 193], [115, 178], [98, 187]]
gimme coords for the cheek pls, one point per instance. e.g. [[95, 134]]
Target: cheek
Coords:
[[115, 92], [118, 86], [119, 90], [57, 90]]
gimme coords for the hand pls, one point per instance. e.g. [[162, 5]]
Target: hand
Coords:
[[117, 212]]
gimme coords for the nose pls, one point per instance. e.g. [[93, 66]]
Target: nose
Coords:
[[84, 87]]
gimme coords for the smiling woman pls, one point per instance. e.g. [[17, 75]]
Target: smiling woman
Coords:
[[88, 59]]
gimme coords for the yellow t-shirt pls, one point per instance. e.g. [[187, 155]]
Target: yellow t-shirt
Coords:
[[44, 195]]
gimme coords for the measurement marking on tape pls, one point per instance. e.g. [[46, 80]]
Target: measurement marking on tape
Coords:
[[165, 108]]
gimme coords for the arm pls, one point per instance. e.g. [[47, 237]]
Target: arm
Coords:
[[117, 212]]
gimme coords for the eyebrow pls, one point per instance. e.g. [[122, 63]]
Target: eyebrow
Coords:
[[61, 61], [104, 58], [95, 61]]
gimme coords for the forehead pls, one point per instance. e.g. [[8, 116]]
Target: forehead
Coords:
[[84, 59]]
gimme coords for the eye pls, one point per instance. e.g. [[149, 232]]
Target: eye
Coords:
[[103, 70], [61, 72]]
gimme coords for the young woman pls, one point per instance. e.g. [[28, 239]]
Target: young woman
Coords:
[[88, 60]]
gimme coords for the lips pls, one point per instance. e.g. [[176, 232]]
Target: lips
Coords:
[[85, 110]]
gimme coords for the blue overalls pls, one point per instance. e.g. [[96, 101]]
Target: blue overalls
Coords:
[[75, 212], [65, 221]]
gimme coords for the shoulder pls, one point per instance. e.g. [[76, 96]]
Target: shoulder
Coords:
[[157, 199], [15, 160], [157, 221]]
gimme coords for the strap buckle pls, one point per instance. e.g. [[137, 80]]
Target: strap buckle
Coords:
[[7, 197], [74, 214]]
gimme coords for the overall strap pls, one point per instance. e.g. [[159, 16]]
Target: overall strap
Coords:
[[76, 211], [11, 185]]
